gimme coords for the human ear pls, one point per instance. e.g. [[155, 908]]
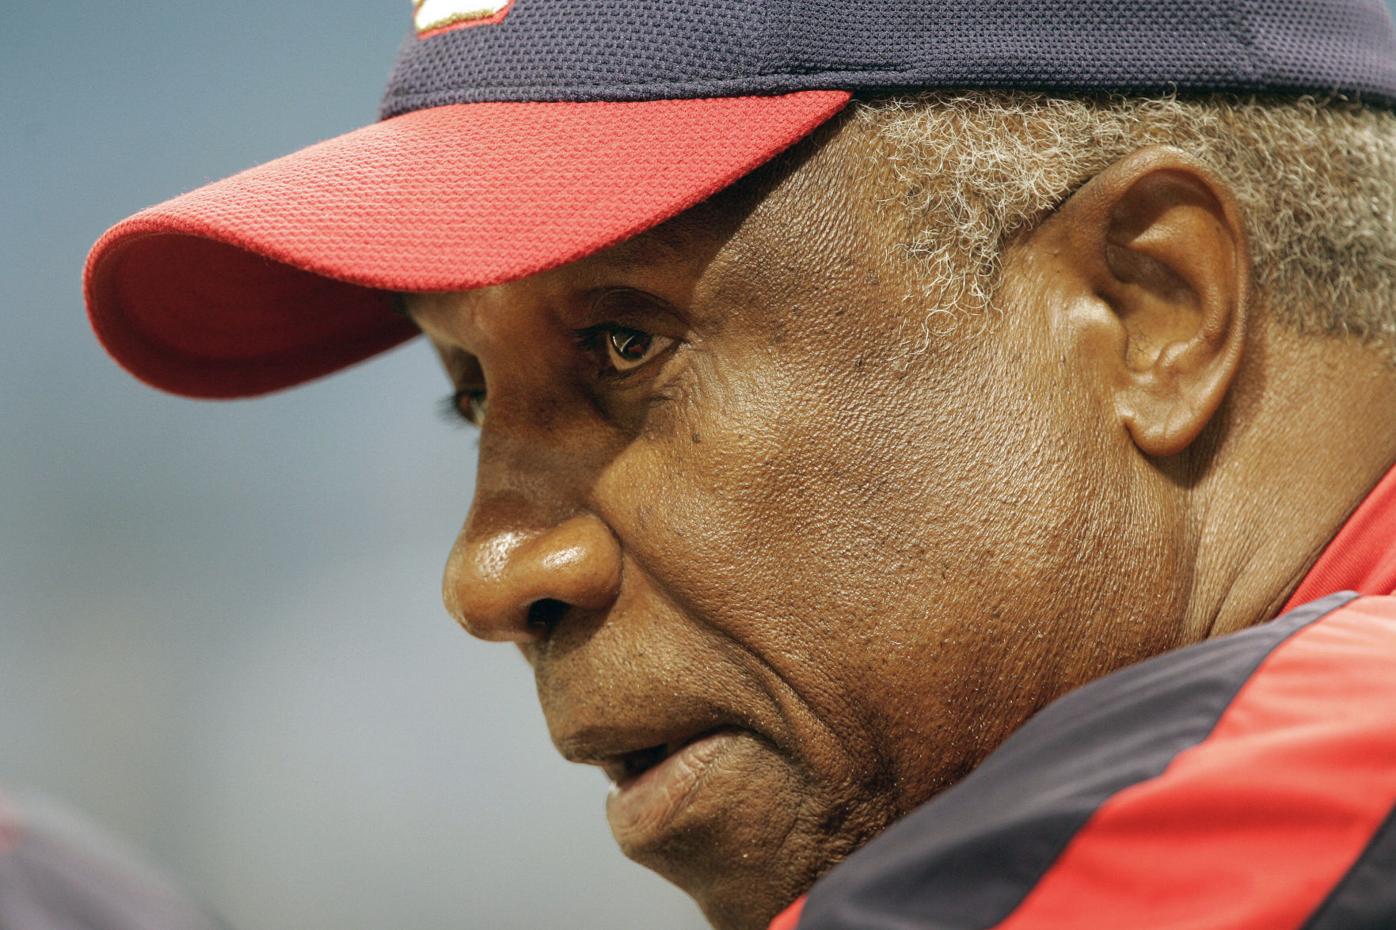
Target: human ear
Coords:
[[1160, 242]]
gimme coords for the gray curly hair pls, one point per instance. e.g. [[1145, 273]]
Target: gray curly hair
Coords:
[[1315, 178]]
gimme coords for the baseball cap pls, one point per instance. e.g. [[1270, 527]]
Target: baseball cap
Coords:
[[518, 135]]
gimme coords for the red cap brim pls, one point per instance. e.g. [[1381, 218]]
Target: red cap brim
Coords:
[[283, 273]]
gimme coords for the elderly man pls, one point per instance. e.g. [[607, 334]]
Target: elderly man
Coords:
[[855, 380]]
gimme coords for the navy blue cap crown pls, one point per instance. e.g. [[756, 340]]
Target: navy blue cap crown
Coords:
[[465, 51]]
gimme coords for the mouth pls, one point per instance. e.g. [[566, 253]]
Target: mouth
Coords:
[[654, 781], [623, 768]]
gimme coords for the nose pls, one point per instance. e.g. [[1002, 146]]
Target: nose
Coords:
[[510, 586]]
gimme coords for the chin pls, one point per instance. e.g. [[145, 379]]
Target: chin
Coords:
[[732, 894]]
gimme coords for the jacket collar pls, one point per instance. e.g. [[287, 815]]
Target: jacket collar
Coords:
[[1362, 557]]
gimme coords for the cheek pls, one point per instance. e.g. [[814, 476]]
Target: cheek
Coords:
[[722, 510], [815, 519]]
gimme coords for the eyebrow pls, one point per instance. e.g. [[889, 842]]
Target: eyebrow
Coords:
[[460, 365]]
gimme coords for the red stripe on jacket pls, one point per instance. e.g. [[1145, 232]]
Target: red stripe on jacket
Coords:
[[790, 917], [1253, 827]]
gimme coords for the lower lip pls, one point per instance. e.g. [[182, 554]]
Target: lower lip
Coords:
[[641, 807]]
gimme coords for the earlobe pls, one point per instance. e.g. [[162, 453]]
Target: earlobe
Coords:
[[1162, 242]]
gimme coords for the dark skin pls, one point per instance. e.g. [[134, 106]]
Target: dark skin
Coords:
[[715, 496]]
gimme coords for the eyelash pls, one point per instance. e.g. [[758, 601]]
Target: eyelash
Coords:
[[590, 340], [452, 407]]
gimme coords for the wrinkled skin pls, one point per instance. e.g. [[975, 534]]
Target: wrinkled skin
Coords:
[[869, 567]]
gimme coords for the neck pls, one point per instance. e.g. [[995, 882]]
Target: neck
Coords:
[[1298, 454]]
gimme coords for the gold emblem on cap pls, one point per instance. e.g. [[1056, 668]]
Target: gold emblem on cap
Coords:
[[432, 16]]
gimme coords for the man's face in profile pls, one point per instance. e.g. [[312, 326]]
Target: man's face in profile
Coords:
[[782, 577]]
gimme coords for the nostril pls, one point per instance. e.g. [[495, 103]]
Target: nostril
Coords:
[[544, 615], [508, 585]]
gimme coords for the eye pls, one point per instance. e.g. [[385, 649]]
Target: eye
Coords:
[[466, 404], [628, 349]]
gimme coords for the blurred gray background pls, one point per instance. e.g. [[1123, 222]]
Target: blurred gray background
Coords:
[[220, 627], [220, 632]]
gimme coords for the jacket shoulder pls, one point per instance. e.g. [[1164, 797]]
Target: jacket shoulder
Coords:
[[1171, 794]]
